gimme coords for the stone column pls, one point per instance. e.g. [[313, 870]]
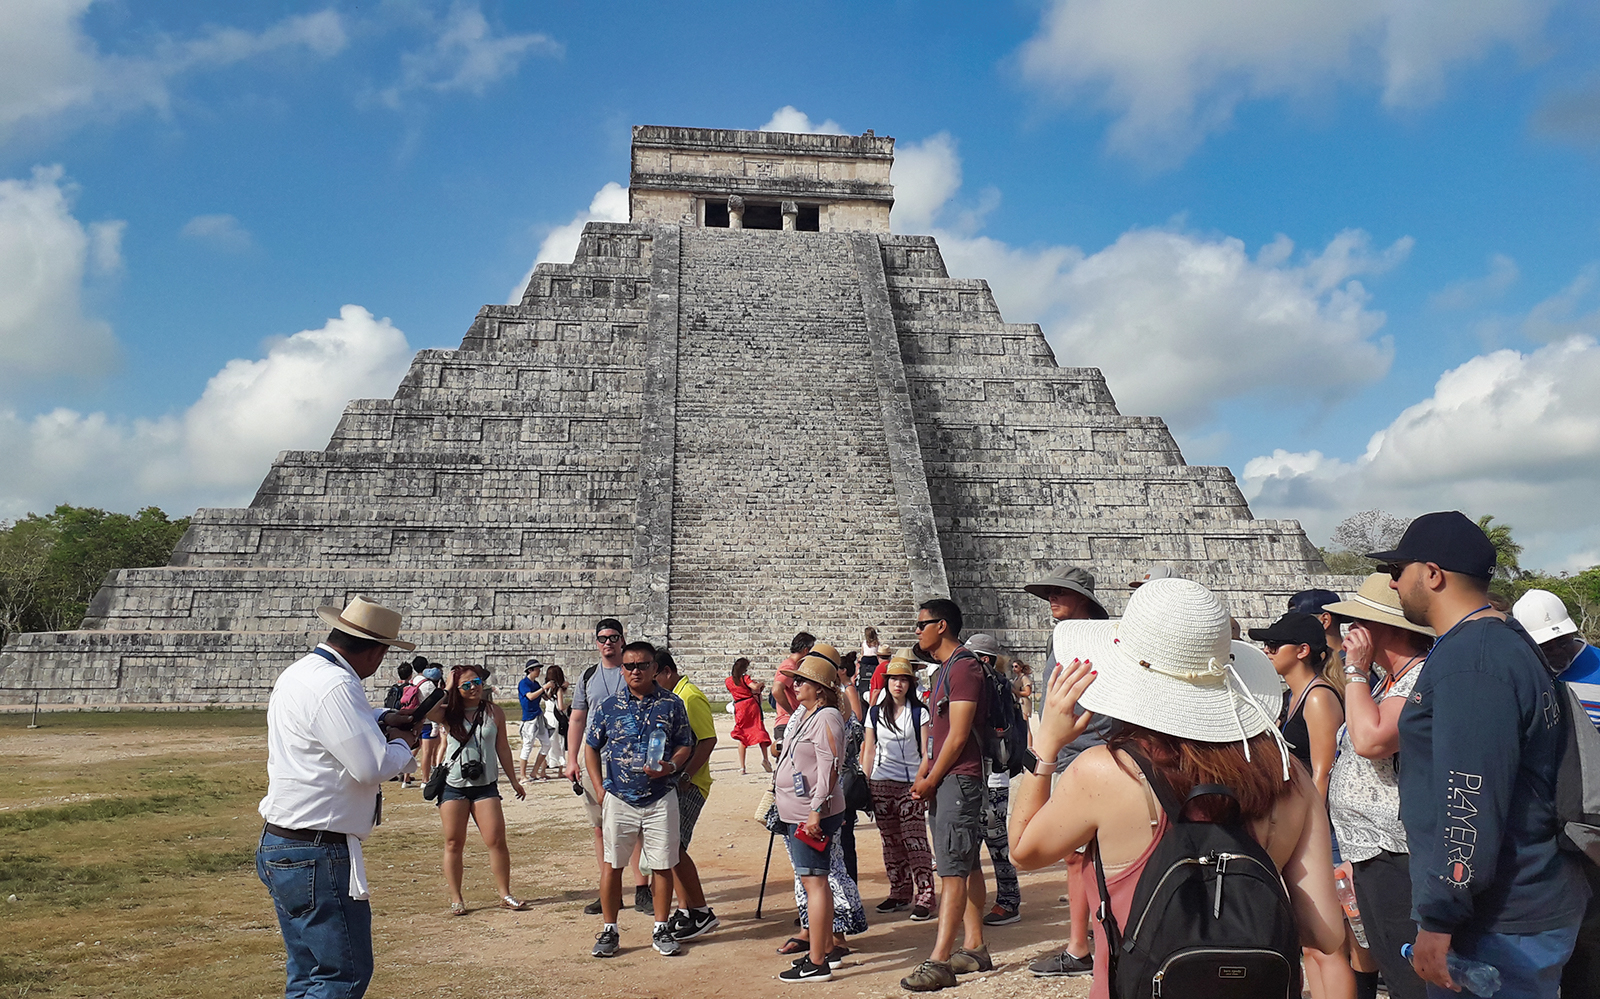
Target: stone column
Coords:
[[735, 212], [791, 215]]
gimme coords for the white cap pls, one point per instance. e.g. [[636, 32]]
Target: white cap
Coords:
[[1544, 615]]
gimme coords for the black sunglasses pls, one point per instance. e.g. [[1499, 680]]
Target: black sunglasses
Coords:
[[607, 639], [1395, 569], [638, 667], [923, 624]]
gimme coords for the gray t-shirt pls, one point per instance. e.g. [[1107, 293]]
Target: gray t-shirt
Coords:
[[604, 682]]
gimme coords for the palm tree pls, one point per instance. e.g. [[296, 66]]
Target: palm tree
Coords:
[[1507, 551]]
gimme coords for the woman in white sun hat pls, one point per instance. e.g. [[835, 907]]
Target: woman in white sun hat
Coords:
[[1198, 713]]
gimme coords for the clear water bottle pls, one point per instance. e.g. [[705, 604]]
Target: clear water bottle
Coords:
[[1347, 898], [1475, 976], [656, 749]]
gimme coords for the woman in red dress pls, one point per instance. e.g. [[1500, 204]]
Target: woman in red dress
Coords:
[[748, 727]]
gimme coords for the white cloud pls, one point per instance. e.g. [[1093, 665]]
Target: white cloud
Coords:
[[220, 231], [1509, 433], [49, 66], [609, 204], [791, 119], [217, 451], [1502, 274], [926, 175], [465, 55], [1172, 71], [45, 255]]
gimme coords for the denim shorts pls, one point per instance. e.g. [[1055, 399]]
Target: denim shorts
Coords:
[[472, 792], [809, 862]]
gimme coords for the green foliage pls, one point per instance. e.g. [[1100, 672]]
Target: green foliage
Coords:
[[1579, 591], [50, 566], [1348, 563], [1507, 551]]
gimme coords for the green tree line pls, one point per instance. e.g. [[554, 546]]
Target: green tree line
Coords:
[[51, 565]]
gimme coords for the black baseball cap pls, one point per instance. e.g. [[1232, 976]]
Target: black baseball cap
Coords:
[[1294, 628], [1312, 601], [1447, 539]]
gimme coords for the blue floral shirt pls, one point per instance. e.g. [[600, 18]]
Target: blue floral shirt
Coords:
[[620, 727]]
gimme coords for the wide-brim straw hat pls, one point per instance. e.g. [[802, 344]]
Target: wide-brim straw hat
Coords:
[[820, 666], [1168, 665], [900, 666], [365, 619], [1377, 601]]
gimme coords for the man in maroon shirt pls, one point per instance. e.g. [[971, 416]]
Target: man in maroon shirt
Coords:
[[951, 781]]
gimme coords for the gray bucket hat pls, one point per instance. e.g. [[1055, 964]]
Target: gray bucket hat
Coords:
[[982, 643], [1070, 577]]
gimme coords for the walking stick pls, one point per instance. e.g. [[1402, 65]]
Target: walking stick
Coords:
[[771, 838]]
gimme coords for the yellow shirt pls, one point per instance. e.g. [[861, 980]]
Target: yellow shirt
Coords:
[[701, 723]]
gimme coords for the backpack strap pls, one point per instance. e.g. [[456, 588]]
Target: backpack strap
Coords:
[[1164, 794], [1108, 920]]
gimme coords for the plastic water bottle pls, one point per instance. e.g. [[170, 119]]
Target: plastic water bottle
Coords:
[[656, 749], [1347, 898], [1475, 976]]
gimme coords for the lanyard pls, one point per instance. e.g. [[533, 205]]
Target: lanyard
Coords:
[[1390, 679], [1461, 622]]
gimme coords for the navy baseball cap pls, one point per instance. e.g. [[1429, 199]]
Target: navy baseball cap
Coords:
[[1447, 539], [1312, 601]]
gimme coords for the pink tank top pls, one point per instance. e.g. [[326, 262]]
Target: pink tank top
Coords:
[[1121, 887]]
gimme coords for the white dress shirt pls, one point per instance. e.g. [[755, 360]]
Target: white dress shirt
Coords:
[[326, 755]]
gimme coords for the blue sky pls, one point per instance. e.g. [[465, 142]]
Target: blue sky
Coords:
[[1349, 251]]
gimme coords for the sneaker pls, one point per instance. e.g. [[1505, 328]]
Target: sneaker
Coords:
[[1062, 965], [643, 900], [805, 971], [921, 914], [893, 905], [664, 943], [965, 962], [930, 976], [688, 925], [835, 958], [605, 944], [1000, 916]]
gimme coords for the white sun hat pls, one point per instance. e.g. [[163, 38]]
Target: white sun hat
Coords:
[[1544, 615], [1168, 665]]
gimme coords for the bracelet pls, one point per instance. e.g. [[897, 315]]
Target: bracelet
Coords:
[[1043, 769], [1351, 676]]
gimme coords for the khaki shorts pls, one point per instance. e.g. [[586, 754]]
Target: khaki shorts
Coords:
[[624, 825]]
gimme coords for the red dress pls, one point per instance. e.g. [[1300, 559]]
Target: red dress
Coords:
[[748, 727]]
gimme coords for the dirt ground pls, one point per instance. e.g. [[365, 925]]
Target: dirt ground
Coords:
[[178, 911]]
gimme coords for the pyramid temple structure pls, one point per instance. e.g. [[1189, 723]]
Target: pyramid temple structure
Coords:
[[747, 411]]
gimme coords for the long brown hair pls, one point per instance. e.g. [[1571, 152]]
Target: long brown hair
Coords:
[[455, 712], [741, 666], [1184, 764], [557, 676]]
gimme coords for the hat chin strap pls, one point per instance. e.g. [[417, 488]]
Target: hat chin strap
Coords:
[[1233, 680]]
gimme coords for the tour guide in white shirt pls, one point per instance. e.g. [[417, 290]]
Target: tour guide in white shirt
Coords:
[[328, 753]]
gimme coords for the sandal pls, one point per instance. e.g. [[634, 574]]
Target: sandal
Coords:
[[508, 902], [794, 945], [458, 908]]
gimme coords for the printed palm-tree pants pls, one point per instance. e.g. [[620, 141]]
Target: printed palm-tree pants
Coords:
[[903, 826]]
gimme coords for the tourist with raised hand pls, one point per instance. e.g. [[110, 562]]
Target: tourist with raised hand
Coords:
[[950, 780], [810, 802], [1189, 718], [476, 749], [1384, 657], [639, 740], [328, 755], [749, 727], [1481, 740], [892, 751]]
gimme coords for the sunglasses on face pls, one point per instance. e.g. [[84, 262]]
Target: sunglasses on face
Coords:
[[607, 639], [923, 624], [471, 685], [638, 667]]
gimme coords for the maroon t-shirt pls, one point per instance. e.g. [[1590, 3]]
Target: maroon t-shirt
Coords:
[[959, 679]]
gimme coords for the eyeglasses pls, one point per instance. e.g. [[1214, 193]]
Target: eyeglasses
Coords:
[[923, 624], [472, 685], [638, 667], [1395, 570], [607, 639]]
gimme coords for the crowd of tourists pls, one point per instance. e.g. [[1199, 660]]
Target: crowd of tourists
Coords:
[[1392, 789]]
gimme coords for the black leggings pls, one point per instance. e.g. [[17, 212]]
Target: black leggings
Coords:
[[1383, 891]]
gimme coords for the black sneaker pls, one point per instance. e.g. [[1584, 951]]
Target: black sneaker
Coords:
[[593, 908], [605, 944], [643, 900], [664, 944], [805, 971], [688, 925], [1062, 965], [893, 905], [835, 958], [1000, 916], [921, 914]]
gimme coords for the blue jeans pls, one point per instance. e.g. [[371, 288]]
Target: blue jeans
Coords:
[[1530, 963], [328, 934]]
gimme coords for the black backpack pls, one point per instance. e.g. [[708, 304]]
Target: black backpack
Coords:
[[391, 700], [1210, 915], [1004, 726]]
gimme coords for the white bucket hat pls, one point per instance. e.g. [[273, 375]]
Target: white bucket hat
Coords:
[[1170, 665], [1544, 615]]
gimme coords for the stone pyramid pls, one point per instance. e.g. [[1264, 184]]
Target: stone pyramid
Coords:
[[747, 411]]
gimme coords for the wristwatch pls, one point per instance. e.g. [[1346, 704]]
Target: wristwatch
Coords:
[[1354, 675], [1033, 765]]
